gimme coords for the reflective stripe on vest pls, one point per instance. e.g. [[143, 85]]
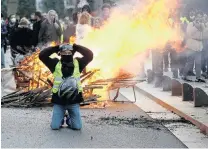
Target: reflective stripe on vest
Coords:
[[184, 20], [58, 76]]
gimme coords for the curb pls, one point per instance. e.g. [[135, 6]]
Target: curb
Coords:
[[203, 128]]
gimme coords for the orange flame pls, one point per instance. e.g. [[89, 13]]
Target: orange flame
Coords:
[[72, 39], [129, 33], [126, 35]]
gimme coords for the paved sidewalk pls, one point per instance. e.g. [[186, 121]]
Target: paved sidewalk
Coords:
[[198, 116]]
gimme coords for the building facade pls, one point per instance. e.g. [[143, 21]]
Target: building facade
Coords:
[[12, 6]]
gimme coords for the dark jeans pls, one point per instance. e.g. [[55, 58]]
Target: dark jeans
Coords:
[[178, 61], [193, 57]]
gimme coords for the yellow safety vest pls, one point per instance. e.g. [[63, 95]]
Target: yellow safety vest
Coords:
[[58, 76], [184, 20]]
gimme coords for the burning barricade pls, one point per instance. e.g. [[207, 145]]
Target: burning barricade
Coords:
[[34, 83], [115, 45]]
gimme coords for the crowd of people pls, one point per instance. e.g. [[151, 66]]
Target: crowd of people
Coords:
[[42, 28], [24, 34], [189, 60]]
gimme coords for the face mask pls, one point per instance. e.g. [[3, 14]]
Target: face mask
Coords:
[[67, 65], [13, 20], [67, 58], [67, 68]]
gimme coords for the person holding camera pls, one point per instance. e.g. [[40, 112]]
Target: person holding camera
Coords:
[[67, 90], [50, 29]]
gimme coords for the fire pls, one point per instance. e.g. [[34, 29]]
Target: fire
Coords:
[[72, 39], [36, 71], [117, 45], [130, 31]]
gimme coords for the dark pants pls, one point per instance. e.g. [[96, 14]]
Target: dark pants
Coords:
[[4, 44], [157, 63], [193, 57], [205, 60], [177, 61], [166, 57], [2, 58]]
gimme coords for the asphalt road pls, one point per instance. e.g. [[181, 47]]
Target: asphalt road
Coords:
[[120, 125]]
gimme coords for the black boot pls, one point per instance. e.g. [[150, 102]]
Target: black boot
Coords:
[[200, 80]]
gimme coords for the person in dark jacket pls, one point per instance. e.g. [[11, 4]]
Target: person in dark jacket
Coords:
[[4, 33], [32, 19], [86, 8], [67, 69], [12, 26], [21, 38], [36, 27], [50, 29]]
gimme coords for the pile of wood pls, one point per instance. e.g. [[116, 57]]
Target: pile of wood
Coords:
[[33, 98], [34, 83], [40, 97], [31, 73], [35, 91]]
